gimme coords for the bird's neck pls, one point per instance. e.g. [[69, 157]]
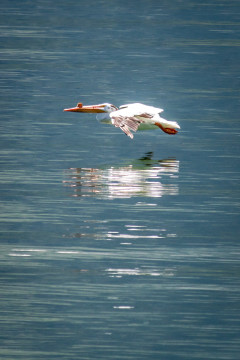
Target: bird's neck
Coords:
[[103, 117]]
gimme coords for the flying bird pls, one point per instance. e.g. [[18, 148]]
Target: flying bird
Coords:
[[130, 117]]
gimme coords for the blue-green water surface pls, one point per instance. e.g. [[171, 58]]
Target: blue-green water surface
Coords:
[[112, 248]]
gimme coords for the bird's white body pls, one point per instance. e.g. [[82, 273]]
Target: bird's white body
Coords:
[[130, 117]]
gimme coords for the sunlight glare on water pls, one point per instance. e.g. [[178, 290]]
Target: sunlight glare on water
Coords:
[[142, 179]]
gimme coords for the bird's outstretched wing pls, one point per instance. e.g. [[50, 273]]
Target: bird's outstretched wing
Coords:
[[130, 116], [138, 108], [126, 123]]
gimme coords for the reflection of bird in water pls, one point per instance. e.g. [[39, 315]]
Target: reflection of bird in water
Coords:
[[130, 117], [147, 156], [143, 178]]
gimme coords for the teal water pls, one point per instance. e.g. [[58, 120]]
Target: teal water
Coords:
[[114, 248]]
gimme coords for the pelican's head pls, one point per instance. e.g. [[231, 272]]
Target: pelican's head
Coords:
[[108, 108], [100, 108]]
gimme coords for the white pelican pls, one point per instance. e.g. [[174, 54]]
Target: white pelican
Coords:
[[130, 117]]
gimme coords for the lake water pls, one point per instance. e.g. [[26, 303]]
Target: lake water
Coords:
[[113, 248]]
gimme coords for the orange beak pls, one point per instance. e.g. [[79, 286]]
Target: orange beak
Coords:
[[87, 109]]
